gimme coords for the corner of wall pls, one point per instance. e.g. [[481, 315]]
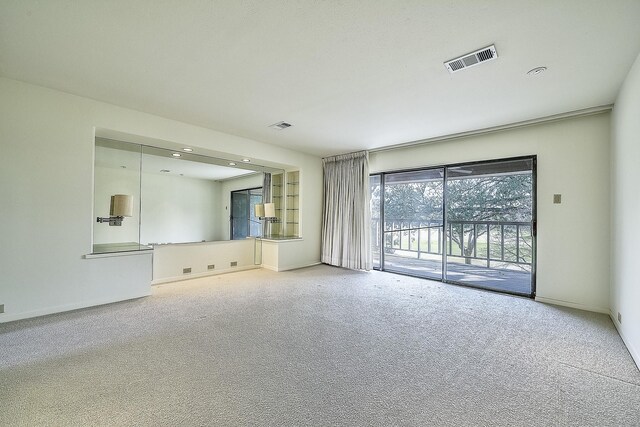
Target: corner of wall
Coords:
[[624, 292]]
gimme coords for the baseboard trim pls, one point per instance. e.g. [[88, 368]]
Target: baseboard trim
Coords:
[[635, 355], [205, 274], [572, 305], [5, 318], [289, 267], [296, 267]]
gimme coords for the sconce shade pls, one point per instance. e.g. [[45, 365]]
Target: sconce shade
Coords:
[[270, 210], [121, 205], [259, 211]]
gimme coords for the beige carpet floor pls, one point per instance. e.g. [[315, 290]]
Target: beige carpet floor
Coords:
[[318, 346]]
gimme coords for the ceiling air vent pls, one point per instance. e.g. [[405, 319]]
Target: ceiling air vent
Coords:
[[482, 55], [280, 125]]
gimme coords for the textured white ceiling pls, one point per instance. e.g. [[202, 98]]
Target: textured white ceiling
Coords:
[[348, 75]]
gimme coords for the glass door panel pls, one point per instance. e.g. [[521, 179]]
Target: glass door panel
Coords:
[[412, 233], [376, 231], [489, 218]]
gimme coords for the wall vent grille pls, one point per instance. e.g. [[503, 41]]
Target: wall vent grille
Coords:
[[485, 54]]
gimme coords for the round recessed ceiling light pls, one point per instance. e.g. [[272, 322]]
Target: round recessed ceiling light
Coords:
[[176, 154], [536, 71], [232, 164], [246, 160], [187, 149]]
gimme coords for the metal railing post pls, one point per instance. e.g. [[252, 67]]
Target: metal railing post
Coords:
[[488, 245], [501, 242], [517, 243]]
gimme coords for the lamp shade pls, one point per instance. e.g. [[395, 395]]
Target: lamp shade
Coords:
[[259, 211], [270, 210], [121, 205]]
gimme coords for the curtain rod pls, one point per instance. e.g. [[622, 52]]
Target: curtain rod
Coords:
[[346, 154], [552, 118]]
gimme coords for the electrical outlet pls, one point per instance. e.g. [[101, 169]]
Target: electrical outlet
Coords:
[[211, 267], [186, 270], [234, 263], [557, 198], [1, 308], [619, 318]]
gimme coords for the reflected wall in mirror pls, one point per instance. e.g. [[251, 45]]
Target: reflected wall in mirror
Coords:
[[178, 197]]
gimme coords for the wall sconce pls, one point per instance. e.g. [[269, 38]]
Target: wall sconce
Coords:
[[121, 206], [266, 211]]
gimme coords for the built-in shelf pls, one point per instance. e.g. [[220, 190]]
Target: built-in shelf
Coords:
[[292, 219], [276, 227], [285, 189]]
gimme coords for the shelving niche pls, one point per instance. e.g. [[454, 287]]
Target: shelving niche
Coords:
[[285, 194]]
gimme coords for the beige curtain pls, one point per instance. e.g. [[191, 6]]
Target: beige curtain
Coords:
[[346, 228]]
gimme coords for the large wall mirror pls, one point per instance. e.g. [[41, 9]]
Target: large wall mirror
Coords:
[[146, 196]]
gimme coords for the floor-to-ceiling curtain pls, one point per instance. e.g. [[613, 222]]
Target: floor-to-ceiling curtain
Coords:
[[346, 229]]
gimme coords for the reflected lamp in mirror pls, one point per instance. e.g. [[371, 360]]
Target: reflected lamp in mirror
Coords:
[[265, 211], [270, 210], [121, 206], [259, 211]]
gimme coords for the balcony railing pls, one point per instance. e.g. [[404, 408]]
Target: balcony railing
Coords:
[[504, 242]]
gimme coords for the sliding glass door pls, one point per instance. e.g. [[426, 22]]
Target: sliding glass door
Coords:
[[470, 224], [376, 217], [489, 220], [411, 232]]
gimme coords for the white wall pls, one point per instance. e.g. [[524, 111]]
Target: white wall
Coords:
[[573, 160], [46, 185], [282, 255], [625, 205]]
